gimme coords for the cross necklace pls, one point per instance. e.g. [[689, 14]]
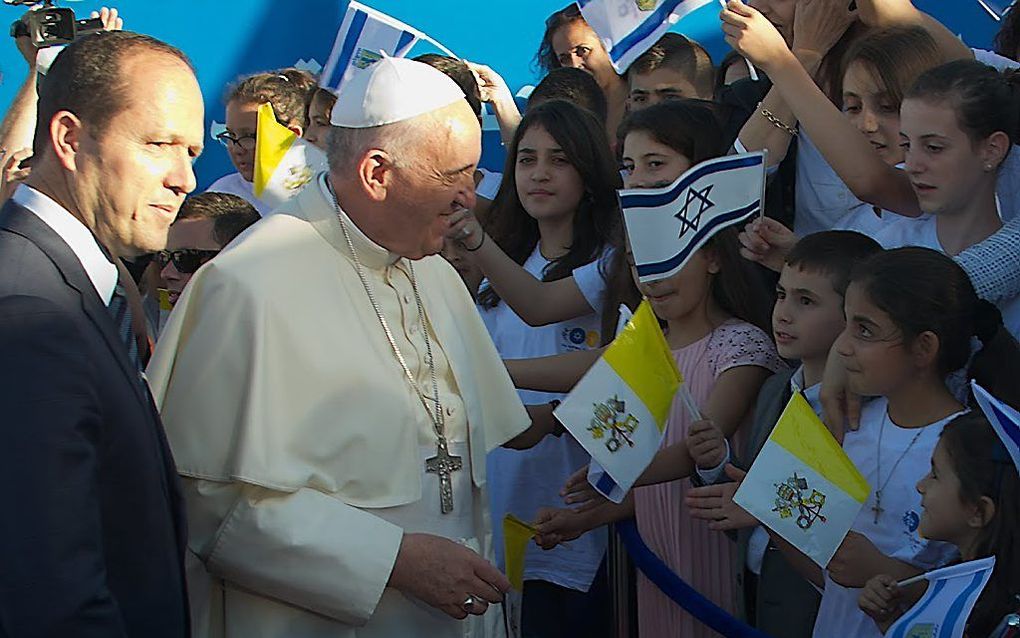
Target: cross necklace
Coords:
[[443, 464], [877, 508]]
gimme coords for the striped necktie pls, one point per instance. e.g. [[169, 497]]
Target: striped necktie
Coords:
[[120, 309]]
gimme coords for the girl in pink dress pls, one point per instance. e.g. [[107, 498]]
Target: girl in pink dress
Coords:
[[714, 310]]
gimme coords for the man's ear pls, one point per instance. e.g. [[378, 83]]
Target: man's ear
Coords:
[[66, 131], [375, 172]]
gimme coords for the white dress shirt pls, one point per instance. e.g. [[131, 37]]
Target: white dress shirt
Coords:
[[101, 271]]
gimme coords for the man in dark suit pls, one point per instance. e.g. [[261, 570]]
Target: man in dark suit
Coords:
[[92, 534]]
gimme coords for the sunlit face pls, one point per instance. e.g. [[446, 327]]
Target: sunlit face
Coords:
[[945, 514], [131, 176], [648, 89], [946, 168], [548, 185], [778, 12], [871, 110], [872, 347], [648, 163], [808, 315], [186, 234], [318, 119], [576, 45], [440, 182], [242, 122]]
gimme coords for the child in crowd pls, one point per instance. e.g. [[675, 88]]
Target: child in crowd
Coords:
[[968, 498], [911, 314], [557, 219], [712, 326], [319, 109], [674, 67], [806, 320], [289, 92]]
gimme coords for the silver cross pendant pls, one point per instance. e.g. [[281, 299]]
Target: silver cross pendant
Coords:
[[444, 464]]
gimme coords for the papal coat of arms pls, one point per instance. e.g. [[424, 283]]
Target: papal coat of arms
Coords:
[[297, 178], [793, 497], [611, 422], [645, 5]]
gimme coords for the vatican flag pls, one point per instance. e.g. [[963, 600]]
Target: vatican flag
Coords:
[[803, 485], [284, 163], [618, 410]]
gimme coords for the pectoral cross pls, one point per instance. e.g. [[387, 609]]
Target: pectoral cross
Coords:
[[877, 507], [444, 464]]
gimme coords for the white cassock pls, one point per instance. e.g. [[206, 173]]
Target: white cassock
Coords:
[[301, 441]]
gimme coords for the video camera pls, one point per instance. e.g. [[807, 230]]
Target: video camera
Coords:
[[49, 26]]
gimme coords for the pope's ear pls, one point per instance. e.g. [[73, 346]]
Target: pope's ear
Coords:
[[375, 172]]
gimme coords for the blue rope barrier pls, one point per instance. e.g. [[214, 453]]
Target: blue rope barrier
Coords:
[[679, 591]]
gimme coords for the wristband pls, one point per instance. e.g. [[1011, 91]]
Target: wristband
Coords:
[[775, 121]]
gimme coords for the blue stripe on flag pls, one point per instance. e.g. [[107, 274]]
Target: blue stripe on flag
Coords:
[[583, 3], [347, 50], [953, 615], [929, 596], [644, 200], [605, 484], [406, 40], [643, 30], [1006, 425], [705, 231]]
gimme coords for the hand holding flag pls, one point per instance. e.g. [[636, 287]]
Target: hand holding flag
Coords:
[[946, 604]]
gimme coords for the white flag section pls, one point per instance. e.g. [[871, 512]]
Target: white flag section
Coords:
[[284, 162], [364, 35], [1004, 420], [618, 410], [628, 28], [945, 606], [667, 225]]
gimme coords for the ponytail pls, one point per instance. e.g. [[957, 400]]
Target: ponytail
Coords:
[[996, 365]]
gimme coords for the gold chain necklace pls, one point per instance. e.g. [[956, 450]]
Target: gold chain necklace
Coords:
[[443, 464], [877, 509]]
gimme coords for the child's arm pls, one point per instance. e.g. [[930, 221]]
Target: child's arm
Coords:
[[888, 13], [555, 373], [883, 601], [845, 149], [558, 525], [858, 560]]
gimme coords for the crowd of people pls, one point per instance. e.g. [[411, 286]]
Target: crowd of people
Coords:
[[225, 419]]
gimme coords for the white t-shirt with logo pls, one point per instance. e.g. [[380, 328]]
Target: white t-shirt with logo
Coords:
[[522, 481], [921, 231], [906, 458]]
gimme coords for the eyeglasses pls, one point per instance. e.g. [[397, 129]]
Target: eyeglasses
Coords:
[[246, 142], [186, 261]]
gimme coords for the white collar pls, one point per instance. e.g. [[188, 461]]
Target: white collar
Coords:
[[812, 394], [371, 254], [101, 271]]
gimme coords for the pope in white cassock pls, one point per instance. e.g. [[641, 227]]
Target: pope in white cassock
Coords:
[[330, 393]]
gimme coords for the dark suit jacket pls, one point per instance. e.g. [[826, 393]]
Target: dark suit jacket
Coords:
[[785, 603], [92, 531]]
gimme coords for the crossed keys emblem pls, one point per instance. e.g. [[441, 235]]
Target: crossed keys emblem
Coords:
[[689, 220]]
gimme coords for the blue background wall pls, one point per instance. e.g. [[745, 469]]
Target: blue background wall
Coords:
[[227, 38]]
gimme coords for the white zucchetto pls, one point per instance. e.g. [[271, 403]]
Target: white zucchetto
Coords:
[[392, 90]]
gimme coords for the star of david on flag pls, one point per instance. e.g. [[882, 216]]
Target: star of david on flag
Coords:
[[667, 225]]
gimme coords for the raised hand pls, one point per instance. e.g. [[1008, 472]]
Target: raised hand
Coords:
[[767, 242], [707, 444], [444, 574], [753, 36], [819, 24]]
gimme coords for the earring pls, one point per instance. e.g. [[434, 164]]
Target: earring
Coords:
[[988, 167]]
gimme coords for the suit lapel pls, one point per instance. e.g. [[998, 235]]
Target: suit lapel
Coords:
[[20, 220]]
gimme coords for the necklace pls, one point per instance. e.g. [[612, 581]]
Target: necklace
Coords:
[[877, 509], [443, 464]]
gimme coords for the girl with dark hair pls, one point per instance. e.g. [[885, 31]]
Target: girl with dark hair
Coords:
[[289, 92], [968, 499], [911, 316], [548, 236], [568, 41], [713, 328]]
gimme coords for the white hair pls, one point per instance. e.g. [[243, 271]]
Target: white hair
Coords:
[[403, 140]]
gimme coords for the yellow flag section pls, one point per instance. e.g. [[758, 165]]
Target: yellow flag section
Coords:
[[516, 535], [802, 485], [618, 410], [284, 163]]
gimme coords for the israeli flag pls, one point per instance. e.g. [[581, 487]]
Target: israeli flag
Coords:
[[667, 225], [996, 8], [364, 35], [945, 606], [1004, 419], [628, 28]]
